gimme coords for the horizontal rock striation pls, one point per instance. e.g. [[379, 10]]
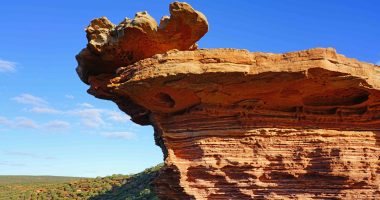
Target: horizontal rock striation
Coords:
[[312, 88], [239, 125]]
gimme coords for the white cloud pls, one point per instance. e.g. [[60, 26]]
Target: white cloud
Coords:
[[68, 96], [39, 104], [26, 154], [87, 114], [12, 164], [56, 125], [117, 116], [23, 122], [120, 135], [95, 118], [86, 105], [91, 117], [19, 153], [4, 121], [7, 66], [30, 100], [44, 110]]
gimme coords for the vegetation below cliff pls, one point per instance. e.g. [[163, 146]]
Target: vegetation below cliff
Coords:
[[115, 187]]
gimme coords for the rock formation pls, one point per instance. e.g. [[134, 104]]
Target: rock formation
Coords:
[[110, 47], [239, 125]]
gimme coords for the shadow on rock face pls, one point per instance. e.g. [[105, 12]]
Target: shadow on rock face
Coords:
[[168, 184]]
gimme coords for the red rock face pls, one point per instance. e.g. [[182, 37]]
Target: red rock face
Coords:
[[239, 125]]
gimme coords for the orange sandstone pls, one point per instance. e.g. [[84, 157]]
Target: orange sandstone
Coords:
[[239, 125], [110, 46]]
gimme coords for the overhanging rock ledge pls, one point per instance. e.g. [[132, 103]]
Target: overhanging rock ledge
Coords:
[[240, 125]]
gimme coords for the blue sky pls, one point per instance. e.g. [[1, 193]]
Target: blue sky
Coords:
[[49, 125]]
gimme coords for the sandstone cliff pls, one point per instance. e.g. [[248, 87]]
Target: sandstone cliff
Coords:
[[239, 125]]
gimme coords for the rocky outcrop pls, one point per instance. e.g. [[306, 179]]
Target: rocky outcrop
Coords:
[[239, 125], [110, 47]]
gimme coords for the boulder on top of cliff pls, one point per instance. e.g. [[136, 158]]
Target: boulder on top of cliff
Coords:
[[110, 46]]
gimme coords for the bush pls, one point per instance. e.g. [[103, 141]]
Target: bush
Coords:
[[115, 187]]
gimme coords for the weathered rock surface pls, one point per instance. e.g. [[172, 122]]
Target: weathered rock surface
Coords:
[[239, 125], [110, 46]]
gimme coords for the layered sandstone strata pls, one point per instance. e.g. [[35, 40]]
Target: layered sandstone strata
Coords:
[[239, 125]]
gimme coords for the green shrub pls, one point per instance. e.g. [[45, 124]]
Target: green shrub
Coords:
[[115, 187]]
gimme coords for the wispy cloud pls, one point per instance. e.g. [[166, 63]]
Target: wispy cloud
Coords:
[[26, 123], [90, 117], [26, 154], [56, 125], [23, 122], [44, 110], [95, 117], [30, 100], [4, 121], [7, 66], [69, 96], [85, 113], [39, 105], [19, 153], [12, 164], [117, 116], [120, 135], [86, 105]]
